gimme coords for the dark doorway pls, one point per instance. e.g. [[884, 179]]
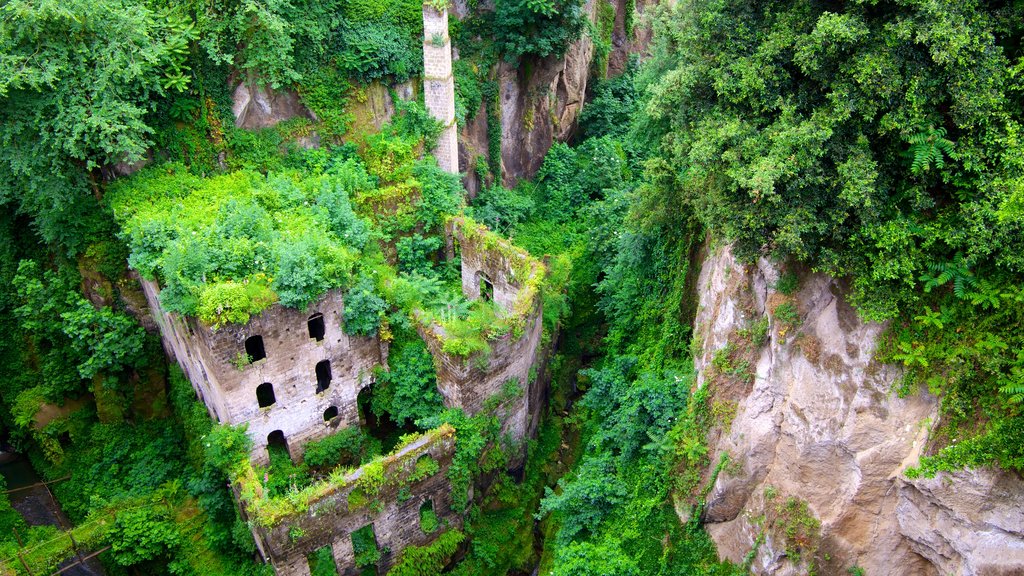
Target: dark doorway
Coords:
[[486, 287], [330, 414], [254, 348], [323, 375], [316, 327], [276, 442], [377, 421], [265, 395]]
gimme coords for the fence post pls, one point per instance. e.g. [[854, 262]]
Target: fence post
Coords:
[[27, 569]]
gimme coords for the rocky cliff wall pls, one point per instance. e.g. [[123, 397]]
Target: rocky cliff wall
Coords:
[[540, 101], [818, 442]]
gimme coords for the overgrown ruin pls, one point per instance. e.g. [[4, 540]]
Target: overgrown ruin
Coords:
[[294, 375]]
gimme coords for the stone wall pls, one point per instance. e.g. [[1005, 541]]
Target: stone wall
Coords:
[[331, 519], [228, 388], [439, 85], [514, 276]]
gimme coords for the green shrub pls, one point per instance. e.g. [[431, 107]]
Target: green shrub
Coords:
[[233, 302], [536, 28], [375, 51], [407, 392], [428, 560], [321, 563], [346, 447], [225, 248], [501, 209], [364, 308], [364, 545], [141, 535]]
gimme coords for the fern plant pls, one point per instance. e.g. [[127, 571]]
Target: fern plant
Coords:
[[1013, 385], [929, 146], [957, 270]]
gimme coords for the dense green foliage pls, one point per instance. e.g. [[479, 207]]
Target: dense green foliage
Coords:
[[430, 559], [218, 252], [77, 83], [876, 141], [346, 447], [407, 392], [538, 28]]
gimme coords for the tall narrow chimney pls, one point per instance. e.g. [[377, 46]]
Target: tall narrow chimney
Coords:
[[438, 83]]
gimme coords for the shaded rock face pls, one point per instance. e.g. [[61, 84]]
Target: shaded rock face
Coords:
[[540, 104], [623, 44], [262, 107], [969, 523], [816, 421]]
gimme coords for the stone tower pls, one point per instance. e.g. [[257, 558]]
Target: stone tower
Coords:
[[438, 84]]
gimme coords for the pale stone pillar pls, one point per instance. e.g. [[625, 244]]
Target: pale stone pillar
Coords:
[[439, 85]]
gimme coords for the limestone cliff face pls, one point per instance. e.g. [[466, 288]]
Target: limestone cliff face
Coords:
[[819, 441], [540, 101]]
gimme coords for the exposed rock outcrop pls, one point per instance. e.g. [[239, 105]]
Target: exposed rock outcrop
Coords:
[[969, 523], [817, 422], [539, 103], [262, 107]]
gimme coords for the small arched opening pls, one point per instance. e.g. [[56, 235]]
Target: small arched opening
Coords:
[[331, 413], [486, 287], [265, 395], [323, 375], [428, 518], [276, 442], [316, 327], [254, 348]]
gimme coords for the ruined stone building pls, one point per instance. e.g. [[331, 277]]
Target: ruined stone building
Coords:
[[292, 376]]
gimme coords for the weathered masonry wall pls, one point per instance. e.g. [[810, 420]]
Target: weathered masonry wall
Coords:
[[331, 519], [439, 85], [512, 278], [301, 396]]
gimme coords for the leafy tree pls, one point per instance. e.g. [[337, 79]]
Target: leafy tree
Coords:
[[866, 141], [374, 51], [91, 339], [75, 87], [536, 28], [586, 499], [408, 390], [142, 534], [416, 254]]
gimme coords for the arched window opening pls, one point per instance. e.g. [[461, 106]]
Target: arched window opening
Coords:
[[428, 518], [276, 442], [486, 287], [330, 414], [254, 348], [323, 375], [316, 326], [265, 394]]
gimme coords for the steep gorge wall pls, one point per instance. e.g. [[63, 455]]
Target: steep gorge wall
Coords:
[[817, 421], [540, 100]]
